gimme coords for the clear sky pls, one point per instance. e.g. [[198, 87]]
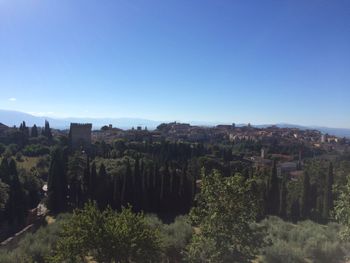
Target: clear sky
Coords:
[[262, 61]]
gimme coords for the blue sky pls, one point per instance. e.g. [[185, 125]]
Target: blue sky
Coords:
[[223, 61]]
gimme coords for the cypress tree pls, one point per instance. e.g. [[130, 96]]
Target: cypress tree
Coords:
[[116, 203], [156, 186], [328, 196], [93, 182], [305, 198], [172, 172], [283, 198], [145, 174], [34, 131], [5, 178], [172, 190], [16, 209], [78, 174], [86, 179], [24, 129], [4, 171], [273, 193], [127, 194], [137, 188], [295, 211], [313, 196], [192, 174], [103, 185], [319, 208], [47, 130], [57, 183], [165, 187]]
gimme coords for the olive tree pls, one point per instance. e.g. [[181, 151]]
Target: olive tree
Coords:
[[107, 236], [224, 221]]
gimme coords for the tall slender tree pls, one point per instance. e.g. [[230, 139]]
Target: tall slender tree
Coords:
[[328, 196], [57, 183], [295, 211], [103, 187], [305, 197], [24, 129], [283, 198], [4, 195], [47, 130], [34, 131], [86, 179], [137, 187], [77, 168], [127, 189], [273, 197], [4, 171], [93, 182], [15, 209]]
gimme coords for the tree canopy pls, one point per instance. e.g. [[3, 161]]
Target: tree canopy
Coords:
[[107, 236], [224, 215]]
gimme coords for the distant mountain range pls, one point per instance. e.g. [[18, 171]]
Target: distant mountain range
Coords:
[[11, 118]]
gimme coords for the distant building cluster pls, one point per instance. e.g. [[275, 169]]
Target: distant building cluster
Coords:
[[175, 131]]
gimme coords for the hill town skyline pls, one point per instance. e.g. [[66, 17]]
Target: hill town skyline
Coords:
[[11, 118]]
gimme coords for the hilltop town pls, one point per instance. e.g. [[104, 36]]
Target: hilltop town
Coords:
[[185, 132], [290, 146]]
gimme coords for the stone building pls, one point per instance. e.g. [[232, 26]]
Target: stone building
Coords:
[[80, 135]]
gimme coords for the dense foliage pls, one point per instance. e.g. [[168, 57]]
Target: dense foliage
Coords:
[[107, 236], [35, 247], [342, 209], [225, 212], [47, 245], [303, 242]]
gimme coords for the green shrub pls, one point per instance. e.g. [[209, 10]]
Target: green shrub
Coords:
[[11, 149], [35, 247], [107, 236], [282, 252], [303, 241], [19, 157], [178, 234], [35, 150], [174, 237], [2, 148]]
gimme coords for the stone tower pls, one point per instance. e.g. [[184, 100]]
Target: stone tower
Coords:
[[80, 135]]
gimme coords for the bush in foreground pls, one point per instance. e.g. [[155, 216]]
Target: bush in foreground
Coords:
[[174, 237], [107, 236], [303, 242], [35, 247], [224, 217], [39, 247]]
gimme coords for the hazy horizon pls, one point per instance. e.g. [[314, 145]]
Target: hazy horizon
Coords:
[[128, 122]]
